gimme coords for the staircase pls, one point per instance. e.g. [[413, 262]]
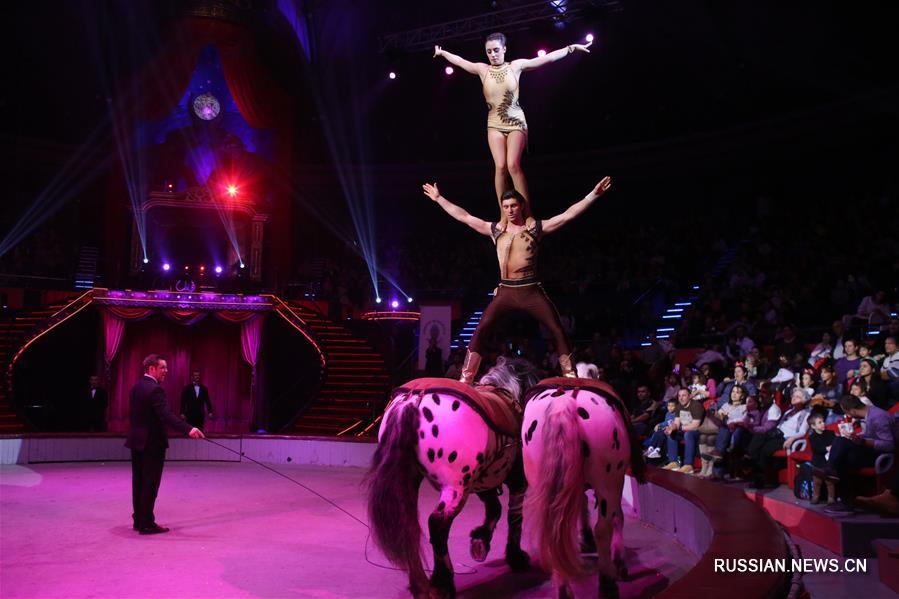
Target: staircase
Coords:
[[356, 381], [18, 334], [13, 335], [86, 274], [467, 332]]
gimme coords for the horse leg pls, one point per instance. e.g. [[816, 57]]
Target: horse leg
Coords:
[[602, 532], [439, 522], [588, 543], [517, 484], [563, 588], [618, 541], [483, 534]]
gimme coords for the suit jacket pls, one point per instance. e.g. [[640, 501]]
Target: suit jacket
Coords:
[[150, 414], [190, 401], [100, 398]]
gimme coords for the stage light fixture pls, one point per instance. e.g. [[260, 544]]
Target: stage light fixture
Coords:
[[409, 299], [166, 266], [377, 300], [448, 70], [232, 190], [589, 37], [202, 268], [146, 260], [394, 304], [242, 265], [392, 75], [218, 270], [541, 53]]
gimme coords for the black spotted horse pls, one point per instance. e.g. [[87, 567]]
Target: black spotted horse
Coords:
[[462, 440], [577, 435]]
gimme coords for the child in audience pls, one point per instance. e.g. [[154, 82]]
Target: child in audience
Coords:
[[698, 388], [820, 440], [654, 443]]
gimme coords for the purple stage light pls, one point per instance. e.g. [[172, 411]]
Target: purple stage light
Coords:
[[589, 37], [392, 75], [541, 53], [218, 270], [448, 70], [394, 304], [166, 266]]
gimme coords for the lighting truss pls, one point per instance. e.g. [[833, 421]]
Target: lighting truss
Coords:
[[509, 19]]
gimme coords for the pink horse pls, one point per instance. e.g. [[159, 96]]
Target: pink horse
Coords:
[[463, 440], [577, 435]]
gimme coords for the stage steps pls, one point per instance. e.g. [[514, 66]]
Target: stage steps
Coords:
[[356, 381], [14, 334]]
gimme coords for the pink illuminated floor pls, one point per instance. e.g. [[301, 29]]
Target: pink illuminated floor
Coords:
[[241, 531]]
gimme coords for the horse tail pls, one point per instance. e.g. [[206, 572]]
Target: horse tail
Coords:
[[555, 502], [393, 483]]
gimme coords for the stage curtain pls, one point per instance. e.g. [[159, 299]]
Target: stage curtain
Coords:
[[250, 337], [185, 317], [129, 313], [113, 331], [235, 316], [212, 347]]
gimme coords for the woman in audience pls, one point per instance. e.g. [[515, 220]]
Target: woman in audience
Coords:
[[830, 391], [740, 378], [876, 388], [672, 384], [791, 427]]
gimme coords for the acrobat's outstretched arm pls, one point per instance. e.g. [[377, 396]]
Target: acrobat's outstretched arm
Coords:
[[458, 213], [527, 64], [578, 208], [475, 68]]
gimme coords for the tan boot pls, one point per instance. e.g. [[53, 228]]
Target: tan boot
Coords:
[[816, 490], [470, 367], [831, 491], [565, 366]]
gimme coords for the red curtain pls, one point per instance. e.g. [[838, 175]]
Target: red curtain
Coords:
[[211, 346]]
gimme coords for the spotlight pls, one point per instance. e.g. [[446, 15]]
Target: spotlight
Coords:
[[541, 53], [392, 75], [448, 70], [232, 190], [409, 299], [377, 300], [394, 304], [589, 37], [187, 268], [166, 267], [146, 260], [218, 270], [242, 265], [202, 268]]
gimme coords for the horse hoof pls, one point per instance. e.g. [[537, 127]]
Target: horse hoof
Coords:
[[479, 549], [518, 560]]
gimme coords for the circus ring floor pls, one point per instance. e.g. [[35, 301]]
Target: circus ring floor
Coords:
[[239, 530]]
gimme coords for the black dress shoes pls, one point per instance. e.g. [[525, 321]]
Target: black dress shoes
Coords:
[[154, 529]]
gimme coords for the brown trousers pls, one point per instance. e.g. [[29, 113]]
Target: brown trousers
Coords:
[[530, 299]]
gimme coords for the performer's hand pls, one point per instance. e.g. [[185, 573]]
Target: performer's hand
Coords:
[[431, 190], [582, 47], [196, 433], [438, 51], [602, 187]]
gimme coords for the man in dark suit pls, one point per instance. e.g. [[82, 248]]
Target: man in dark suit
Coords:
[[147, 439], [97, 402], [195, 404]]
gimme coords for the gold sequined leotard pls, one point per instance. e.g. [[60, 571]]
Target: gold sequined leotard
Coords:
[[501, 93]]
